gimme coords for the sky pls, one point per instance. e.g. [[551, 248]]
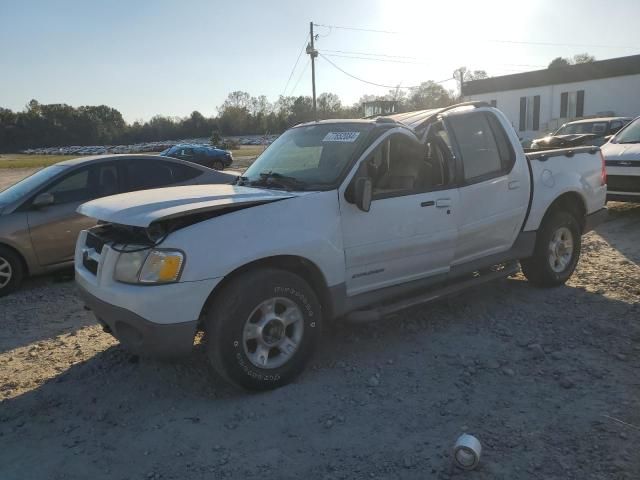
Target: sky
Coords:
[[172, 57]]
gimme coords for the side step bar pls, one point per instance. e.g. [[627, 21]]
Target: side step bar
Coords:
[[377, 313]]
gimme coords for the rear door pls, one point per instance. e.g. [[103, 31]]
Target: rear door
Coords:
[[55, 228], [494, 187]]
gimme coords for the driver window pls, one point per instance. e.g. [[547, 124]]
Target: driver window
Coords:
[[401, 166], [72, 188]]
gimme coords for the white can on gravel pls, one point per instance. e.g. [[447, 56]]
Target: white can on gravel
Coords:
[[467, 451]]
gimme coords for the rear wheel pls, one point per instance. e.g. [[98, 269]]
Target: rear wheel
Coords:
[[262, 329], [218, 165], [11, 271], [557, 251]]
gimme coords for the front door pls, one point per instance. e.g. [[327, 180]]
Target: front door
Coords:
[[55, 228], [409, 232]]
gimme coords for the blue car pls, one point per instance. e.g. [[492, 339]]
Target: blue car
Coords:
[[211, 157]]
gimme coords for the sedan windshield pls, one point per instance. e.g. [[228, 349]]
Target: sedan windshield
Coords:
[[631, 134], [308, 157], [29, 184], [597, 128]]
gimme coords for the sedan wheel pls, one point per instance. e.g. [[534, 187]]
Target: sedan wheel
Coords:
[[218, 165], [11, 270], [6, 272]]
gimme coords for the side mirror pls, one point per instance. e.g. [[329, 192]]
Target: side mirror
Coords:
[[43, 200], [363, 193]]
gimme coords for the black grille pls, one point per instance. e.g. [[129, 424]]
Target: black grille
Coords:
[[90, 264], [618, 183], [95, 242]]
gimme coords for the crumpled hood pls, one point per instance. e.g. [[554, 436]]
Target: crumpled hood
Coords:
[[142, 208], [621, 151]]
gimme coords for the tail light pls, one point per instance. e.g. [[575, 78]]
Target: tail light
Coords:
[[603, 171]]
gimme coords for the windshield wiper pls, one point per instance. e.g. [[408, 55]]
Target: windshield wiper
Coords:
[[275, 178]]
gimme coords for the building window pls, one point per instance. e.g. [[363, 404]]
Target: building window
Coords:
[[530, 113], [580, 103], [572, 104], [494, 103]]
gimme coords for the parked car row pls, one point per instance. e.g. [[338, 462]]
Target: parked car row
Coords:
[[144, 147]]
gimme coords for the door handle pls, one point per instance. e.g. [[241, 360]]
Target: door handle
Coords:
[[443, 202], [430, 203], [514, 185]]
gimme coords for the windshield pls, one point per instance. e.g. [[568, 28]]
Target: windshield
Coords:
[[631, 134], [597, 128], [309, 157], [29, 184]]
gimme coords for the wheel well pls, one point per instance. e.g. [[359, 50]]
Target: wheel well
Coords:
[[19, 255], [572, 202], [306, 269]]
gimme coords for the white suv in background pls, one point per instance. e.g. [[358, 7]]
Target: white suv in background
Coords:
[[622, 156]]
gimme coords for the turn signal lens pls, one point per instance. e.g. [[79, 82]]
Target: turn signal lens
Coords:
[[162, 266]]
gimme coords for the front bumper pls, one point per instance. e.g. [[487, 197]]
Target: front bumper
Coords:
[[594, 219], [139, 335]]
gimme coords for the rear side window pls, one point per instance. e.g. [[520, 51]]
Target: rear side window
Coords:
[[478, 147], [143, 174], [505, 149], [182, 173]]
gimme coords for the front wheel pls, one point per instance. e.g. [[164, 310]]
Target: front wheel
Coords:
[[556, 253], [11, 271], [262, 329]]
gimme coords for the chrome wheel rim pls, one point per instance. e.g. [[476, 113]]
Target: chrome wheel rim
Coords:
[[5, 272], [561, 249], [273, 332]]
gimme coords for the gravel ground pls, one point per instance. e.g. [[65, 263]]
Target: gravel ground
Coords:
[[544, 378]]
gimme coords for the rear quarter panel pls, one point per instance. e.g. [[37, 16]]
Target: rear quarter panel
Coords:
[[580, 173]]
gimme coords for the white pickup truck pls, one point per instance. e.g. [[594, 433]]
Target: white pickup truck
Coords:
[[336, 219]]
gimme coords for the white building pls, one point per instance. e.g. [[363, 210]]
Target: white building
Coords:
[[540, 101]]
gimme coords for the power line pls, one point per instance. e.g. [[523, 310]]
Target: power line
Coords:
[[357, 29], [372, 59], [421, 63], [373, 83], [517, 42], [300, 77], [295, 65], [554, 44], [370, 54]]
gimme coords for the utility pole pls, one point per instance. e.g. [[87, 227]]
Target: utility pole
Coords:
[[314, 53]]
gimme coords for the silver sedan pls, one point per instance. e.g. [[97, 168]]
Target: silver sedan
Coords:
[[38, 220]]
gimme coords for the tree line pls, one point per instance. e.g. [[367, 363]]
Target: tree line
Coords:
[[52, 125]]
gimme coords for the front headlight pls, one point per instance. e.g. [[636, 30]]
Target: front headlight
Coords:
[[149, 266]]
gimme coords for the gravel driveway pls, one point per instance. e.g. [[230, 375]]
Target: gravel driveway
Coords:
[[544, 378]]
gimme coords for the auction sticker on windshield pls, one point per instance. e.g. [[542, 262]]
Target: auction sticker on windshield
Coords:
[[347, 137]]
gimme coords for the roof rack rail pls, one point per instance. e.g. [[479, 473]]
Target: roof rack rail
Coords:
[[475, 103]]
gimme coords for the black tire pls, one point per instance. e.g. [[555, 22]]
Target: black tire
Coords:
[[10, 264], [540, 269], [218, 165], [235, 308]]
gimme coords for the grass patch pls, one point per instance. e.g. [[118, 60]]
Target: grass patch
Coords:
[[21, 160]]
